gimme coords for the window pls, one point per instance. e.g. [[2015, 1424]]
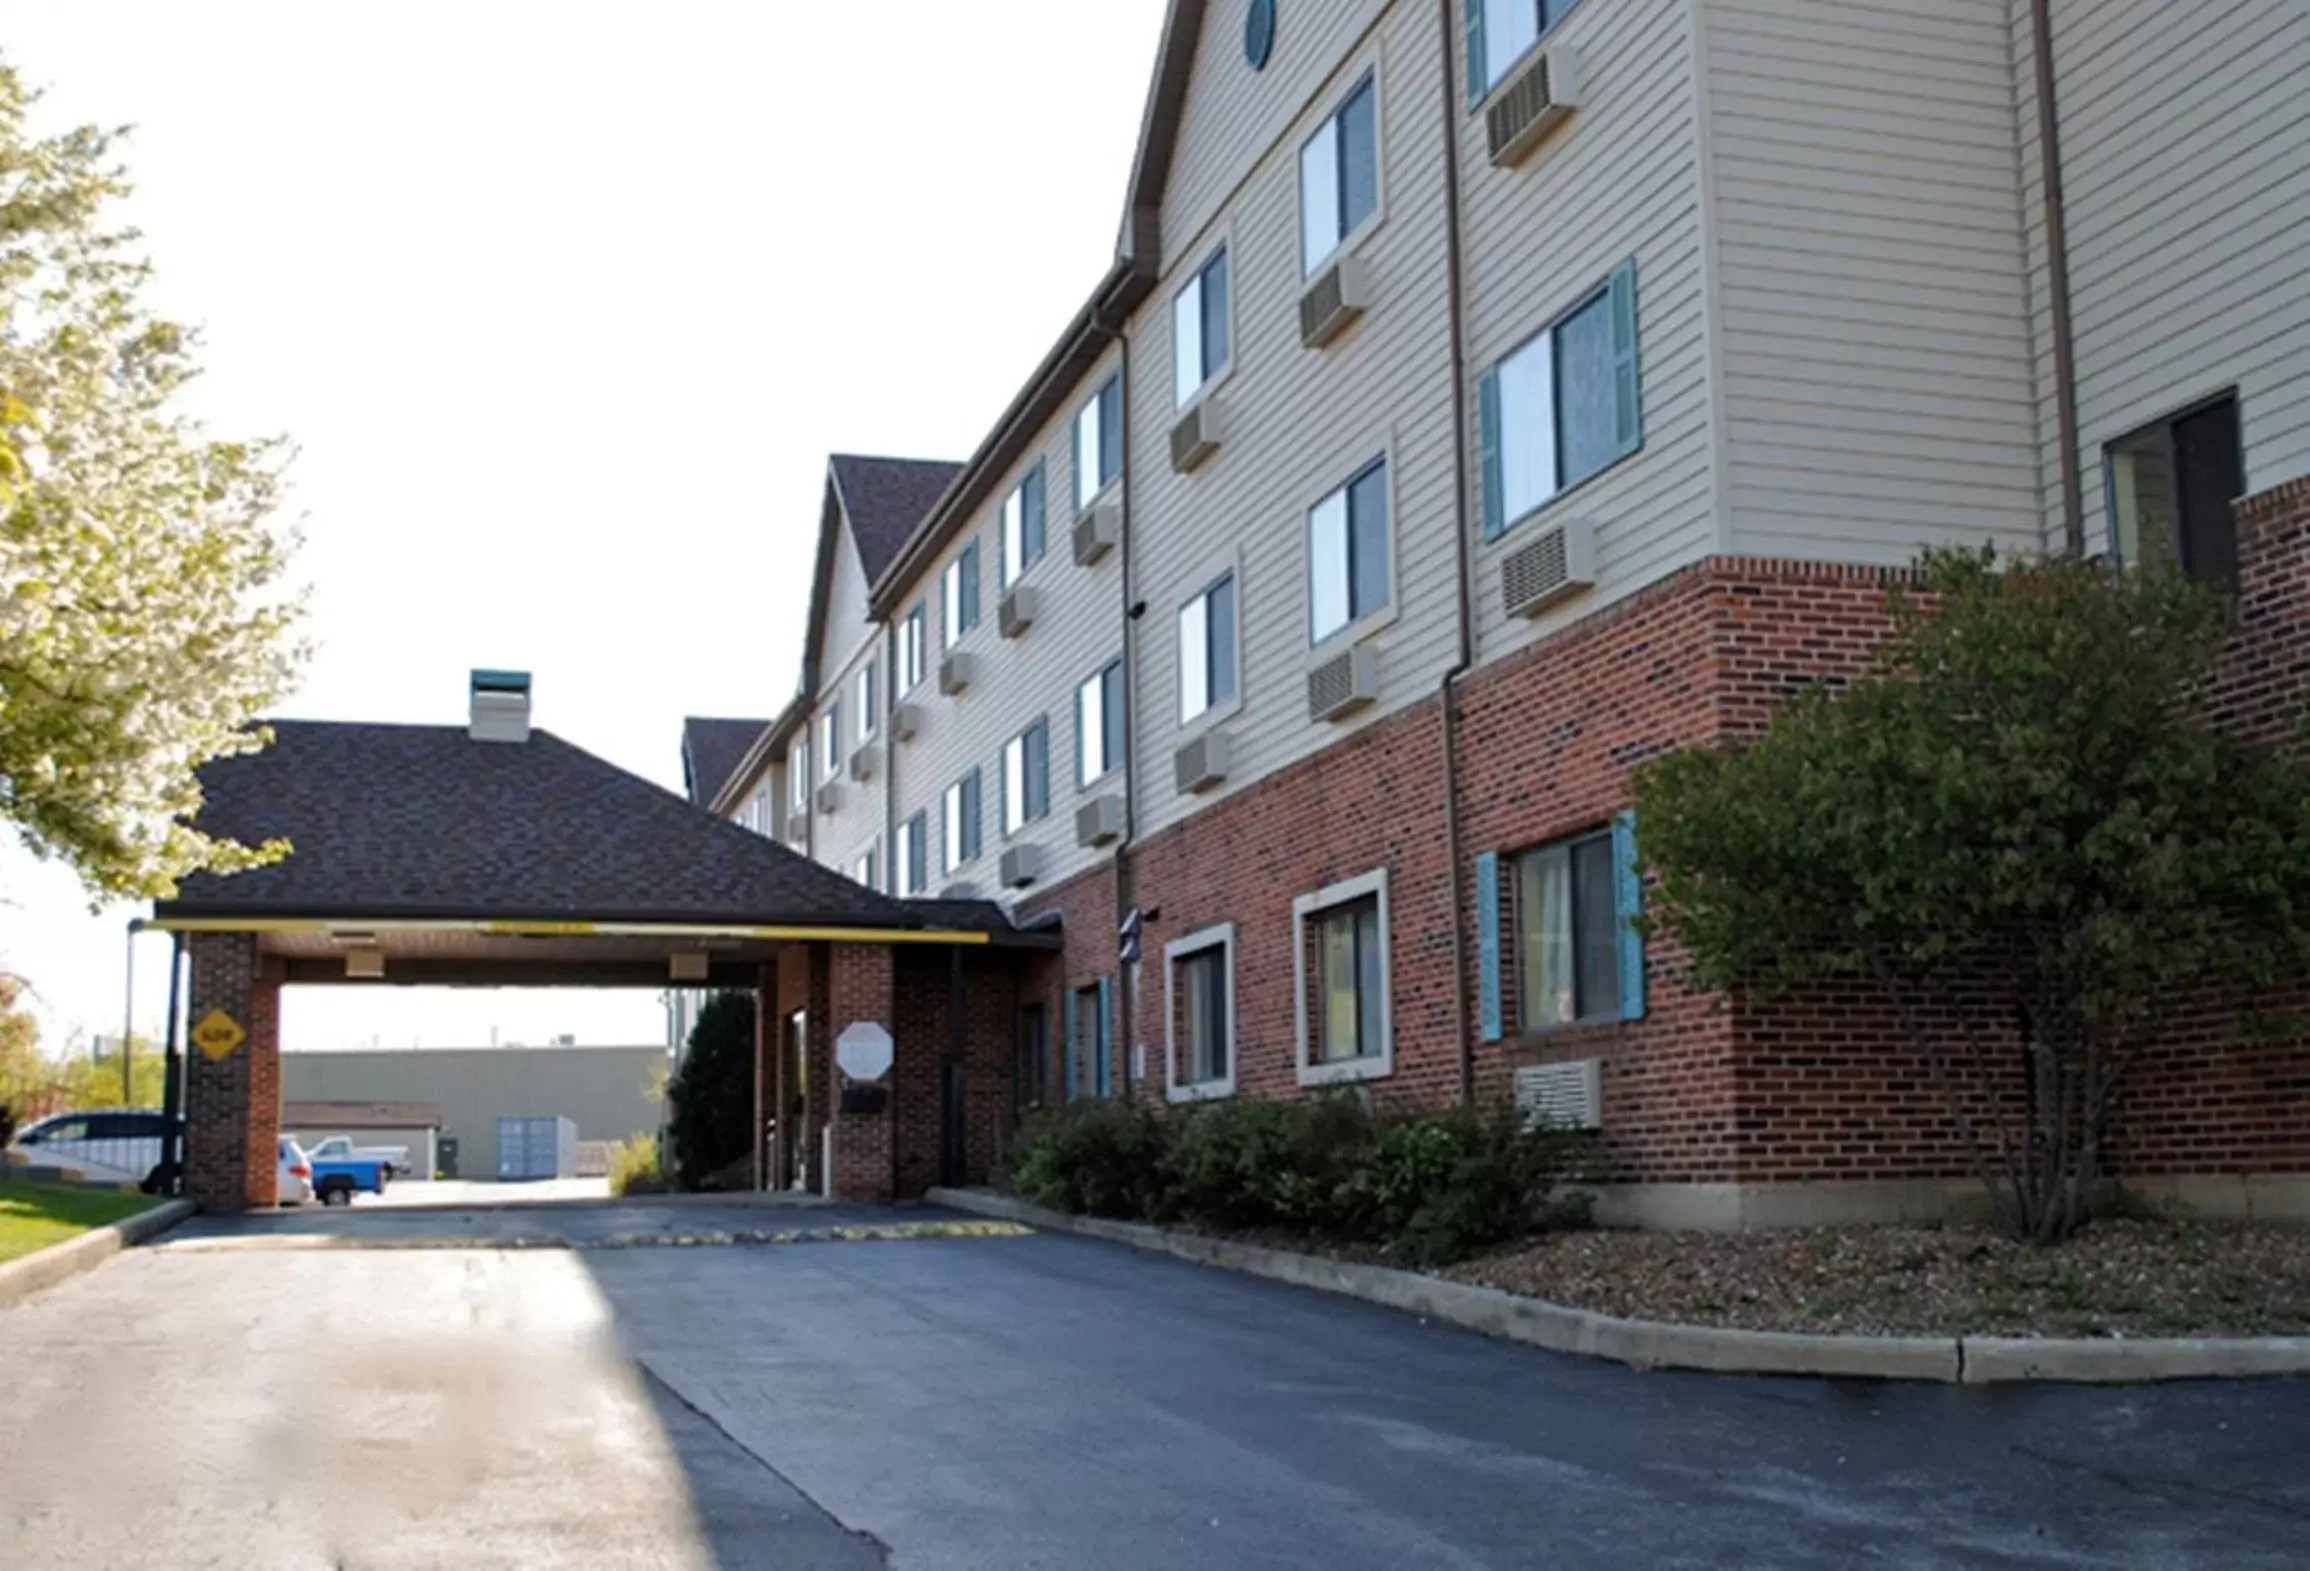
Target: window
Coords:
[[1099, 725], [1098, 443], [1032, 1071], [1340, 973], [1207, 650], [1199, 329], [1567, 933], [1019, 545], [1201, 970], [868, 709], [1339, 178], [910, 649], [762, 815], [2171, 487], [1026, 777], [962, 822], [830, 740], [1090, 1045], [1347, 553], [958, 594], [1563, 407], [910, 861], [798, 776], [868, 865], [1501, 31]]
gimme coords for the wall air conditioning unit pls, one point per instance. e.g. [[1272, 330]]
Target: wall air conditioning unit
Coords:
[[800, 844], [959, 891], [1561, 1096], [1202, 763], [1022, 865], [1196, 435], [1535, 101], [905, 721], [829, 796], [864, 761], [1098, 531], [1560, 561], [956, 672], [1332, 299], [1099, 820], [1343, 684], [1016, 613]]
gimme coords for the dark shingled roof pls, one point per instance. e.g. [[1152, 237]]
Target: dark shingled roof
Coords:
[[711, 749], [885, 499], [394, 821]]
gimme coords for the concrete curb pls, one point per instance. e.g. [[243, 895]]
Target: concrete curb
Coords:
[[1648, 1344], [20, 1279]]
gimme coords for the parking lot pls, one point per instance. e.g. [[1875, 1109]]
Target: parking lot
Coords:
[[274, 1393]]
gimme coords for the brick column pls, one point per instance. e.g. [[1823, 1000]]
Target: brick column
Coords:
[[861, 982], [233, 1102]]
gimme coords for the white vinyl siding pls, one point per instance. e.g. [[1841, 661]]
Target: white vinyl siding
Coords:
[[2185, 134], [1872, 294]]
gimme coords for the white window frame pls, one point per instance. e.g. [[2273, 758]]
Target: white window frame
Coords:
[[1008, 568], [866, 867], [950, 597], [912, 832], [1224, 243], [1305, 909], [1010, 776], [1357, 628], [864, 685], [1086, 778], [798, 774], [910, 647], [1220, 937], [1369, 72], [1227, 565], [830, 741], [1498, 69], [950, 820], [1088, 410]]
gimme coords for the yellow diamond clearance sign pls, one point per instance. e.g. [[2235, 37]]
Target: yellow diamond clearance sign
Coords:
[[218, 1034]]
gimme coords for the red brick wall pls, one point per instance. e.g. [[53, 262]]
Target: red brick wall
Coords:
[[860, 987], [1373, 800], [1086, 906], [233, 1105], [927, 1050], [2213, 1098]]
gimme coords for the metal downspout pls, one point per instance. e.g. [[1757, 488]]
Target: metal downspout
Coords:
[[2057, 280], [1448, 691], [1126, 884]]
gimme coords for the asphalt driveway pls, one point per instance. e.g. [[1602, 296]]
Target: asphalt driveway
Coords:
[[232, 1399]]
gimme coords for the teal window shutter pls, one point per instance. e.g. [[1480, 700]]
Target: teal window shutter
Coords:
[[1103, 1072], [1628, 905], [1488, 432], [1477, 69], [1488, 943], [1038, 793], [1072, 1045], [1628, 391]]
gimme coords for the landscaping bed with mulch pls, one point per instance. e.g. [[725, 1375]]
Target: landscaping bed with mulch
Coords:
[[2117, 1278]]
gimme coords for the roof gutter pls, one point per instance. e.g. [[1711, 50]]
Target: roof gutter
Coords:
[[358, 927], [767, 742]]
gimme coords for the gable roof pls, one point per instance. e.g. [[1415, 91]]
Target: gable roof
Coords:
[[407, 822], [711, 753], [885, 499]]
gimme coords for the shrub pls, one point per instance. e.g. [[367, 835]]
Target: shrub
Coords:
[[1104, 1158], [635, 1168], [1236, 1164]]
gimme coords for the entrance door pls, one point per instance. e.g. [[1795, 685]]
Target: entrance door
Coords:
[[793, 1118], [954, 1128]]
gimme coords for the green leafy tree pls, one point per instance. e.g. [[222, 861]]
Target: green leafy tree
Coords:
[[142, 626], [712, 1094], [2023, 806]]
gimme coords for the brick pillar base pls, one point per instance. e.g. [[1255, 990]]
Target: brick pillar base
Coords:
[[860, 988], [233, 1099]]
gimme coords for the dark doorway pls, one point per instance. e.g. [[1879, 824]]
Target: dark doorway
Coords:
[[954, 1127]]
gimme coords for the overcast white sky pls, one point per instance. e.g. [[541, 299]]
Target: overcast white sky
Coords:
[[564, 305]]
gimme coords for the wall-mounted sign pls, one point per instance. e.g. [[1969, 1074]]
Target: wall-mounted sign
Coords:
[[218, 1034], [864, 1051], [1259, 33]]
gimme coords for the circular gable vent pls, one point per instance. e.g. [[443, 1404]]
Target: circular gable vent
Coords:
[[1259, 33]]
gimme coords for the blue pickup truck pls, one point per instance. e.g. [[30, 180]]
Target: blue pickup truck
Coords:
[[337, 1179]]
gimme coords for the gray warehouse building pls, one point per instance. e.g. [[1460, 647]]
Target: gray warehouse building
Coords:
[[610, 1092]]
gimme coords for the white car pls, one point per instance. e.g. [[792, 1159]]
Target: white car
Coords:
[[295, 1175], [109, 1146], [340, 1148]]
